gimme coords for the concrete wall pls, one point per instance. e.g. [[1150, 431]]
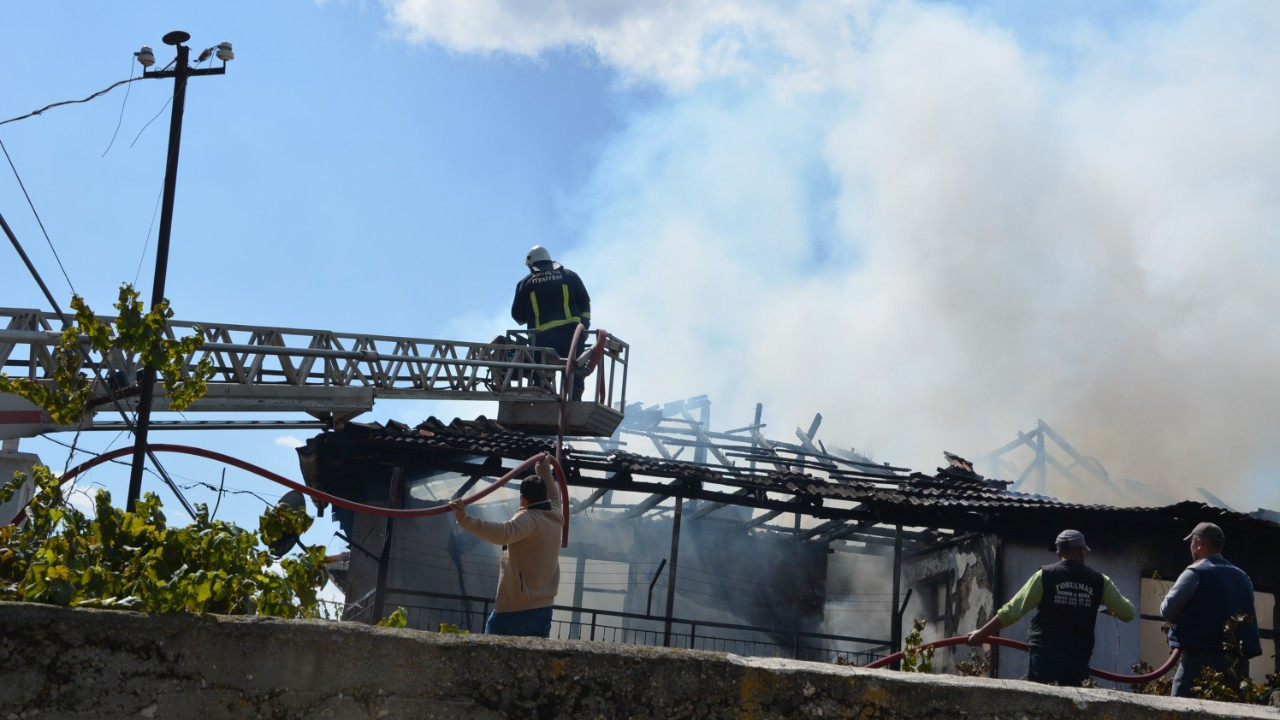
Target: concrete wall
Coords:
[[62, 663], [952, 589]]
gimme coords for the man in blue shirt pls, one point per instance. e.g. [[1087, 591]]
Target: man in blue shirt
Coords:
[[1205, 596], [1067, 594]]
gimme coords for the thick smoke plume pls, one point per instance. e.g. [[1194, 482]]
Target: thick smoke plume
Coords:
[[935, 228]]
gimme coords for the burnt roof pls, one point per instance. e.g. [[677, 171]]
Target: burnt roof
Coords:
[[356, 461]]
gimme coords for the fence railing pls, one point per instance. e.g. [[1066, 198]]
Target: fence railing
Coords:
[[428, 611]]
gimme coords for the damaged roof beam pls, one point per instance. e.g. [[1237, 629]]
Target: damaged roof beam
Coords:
[[703, 512], [589, 500], [756, 522], [702, 436], [645, 506], [819, 529]]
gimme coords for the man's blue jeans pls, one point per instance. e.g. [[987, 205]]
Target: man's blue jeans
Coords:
[[526, 623], [1193, 661]]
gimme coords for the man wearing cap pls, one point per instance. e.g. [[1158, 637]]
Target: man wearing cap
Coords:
[[529, 573], [1198, 605], [1067, 594]]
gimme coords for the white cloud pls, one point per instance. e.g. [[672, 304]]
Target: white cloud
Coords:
[[289, 441], [675, 44], [937, 235]]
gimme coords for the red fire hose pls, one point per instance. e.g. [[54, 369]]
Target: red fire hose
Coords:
[[556, 460], [320, 495], [997, 640]]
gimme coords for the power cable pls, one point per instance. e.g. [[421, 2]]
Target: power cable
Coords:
[[38, 220], [221, 484], [32, 268], [146, 241], [222, 491], [70, 102], [120, 120], [75, 449], [153, 119]]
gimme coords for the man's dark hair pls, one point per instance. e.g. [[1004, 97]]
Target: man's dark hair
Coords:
[[534, 491]]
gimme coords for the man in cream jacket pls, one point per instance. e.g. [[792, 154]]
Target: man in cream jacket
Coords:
[[530, 571]]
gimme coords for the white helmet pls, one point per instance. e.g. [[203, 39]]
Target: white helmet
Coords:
[[537, 254]]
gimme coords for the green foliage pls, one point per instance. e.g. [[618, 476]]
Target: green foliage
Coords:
[[915, 659], [978, 664], [451, 629], [397, 619], [136, 333], [135, 561], [1234, 685], [1162, 685]]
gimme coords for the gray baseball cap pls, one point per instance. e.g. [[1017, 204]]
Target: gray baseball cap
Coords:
[[1208, 531], [1071, 539]]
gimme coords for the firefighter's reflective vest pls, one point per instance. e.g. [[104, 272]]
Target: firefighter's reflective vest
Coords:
[[549, 297]]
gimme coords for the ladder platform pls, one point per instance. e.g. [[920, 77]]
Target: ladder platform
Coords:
[[582, 418]]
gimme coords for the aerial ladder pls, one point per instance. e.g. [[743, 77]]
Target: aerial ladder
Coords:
[[332, 376]]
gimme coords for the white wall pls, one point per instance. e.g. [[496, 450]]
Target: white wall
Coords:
[[12, 461]]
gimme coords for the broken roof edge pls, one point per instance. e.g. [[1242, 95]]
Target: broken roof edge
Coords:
[[954, 498]]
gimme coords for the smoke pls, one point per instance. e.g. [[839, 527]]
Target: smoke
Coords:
[[913, 220]]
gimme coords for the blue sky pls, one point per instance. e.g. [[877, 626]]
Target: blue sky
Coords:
[[932, 222]]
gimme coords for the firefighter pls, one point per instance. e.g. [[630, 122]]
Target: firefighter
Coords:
[[550, 301]]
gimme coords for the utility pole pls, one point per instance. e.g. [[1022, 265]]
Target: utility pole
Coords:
[[180, 72]]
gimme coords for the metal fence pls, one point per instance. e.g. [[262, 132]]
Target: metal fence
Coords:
[[431, 611]]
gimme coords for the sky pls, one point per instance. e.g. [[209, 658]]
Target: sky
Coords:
[[933, 222]]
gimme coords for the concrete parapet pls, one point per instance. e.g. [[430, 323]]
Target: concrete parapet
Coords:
[[62, 663]]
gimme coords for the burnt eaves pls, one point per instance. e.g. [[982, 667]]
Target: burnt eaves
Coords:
[[355, 462]]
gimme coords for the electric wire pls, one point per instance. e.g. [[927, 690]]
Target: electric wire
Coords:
[[38, 220], [70, 102], [32, 268], [146, 241], [120, 119], [48, 437], [218, 503], [229, 491], [153, 119]]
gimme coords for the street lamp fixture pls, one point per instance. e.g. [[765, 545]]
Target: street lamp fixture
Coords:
[[180, 72]]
